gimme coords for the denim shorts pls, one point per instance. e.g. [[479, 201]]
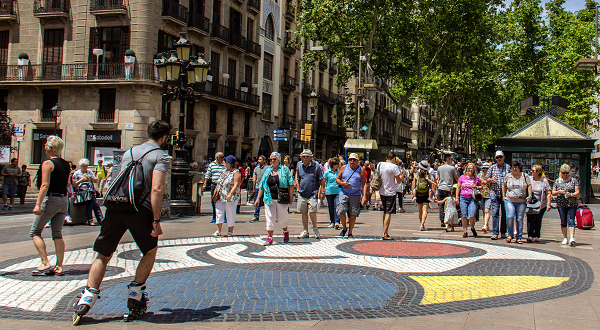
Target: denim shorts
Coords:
[[485, 204], [468, 207]]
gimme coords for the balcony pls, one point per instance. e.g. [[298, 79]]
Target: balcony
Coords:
[[287, 121], [338, 130], [51, 9], [387, 135], [322, 65], [287, 47], [199, 24], [253, 49], [77, 72], [174, 12], [220, 34], [7, 11], [105, 116], [389, 114], [288, 83], [107, 8], [307, 89], [46, 116], [406, 121], [230, 93], [290, 12], [422, 128], [333, 68], [405, 139], [237, 42], [254, 6], [341, 99], [326, 95]]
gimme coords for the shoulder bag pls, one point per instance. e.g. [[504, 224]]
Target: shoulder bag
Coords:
[[376, 179], [83, 194]]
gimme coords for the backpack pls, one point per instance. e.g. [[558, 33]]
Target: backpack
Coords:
[[422, 186], [376, 179], [124, 194]]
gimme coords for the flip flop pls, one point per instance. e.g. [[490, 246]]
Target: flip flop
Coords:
[[39, 270], [52, 272]]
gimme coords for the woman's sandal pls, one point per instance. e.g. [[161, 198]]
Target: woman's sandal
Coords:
[[519, 241], [216, 234]]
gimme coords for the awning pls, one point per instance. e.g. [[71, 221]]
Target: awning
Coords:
[[361, 144]]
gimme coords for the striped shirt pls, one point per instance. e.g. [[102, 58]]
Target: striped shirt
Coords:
[[214, 171]]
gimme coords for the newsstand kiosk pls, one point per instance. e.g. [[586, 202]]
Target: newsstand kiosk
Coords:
[[549, 142]]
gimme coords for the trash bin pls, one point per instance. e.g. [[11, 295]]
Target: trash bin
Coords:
[[77, 213]]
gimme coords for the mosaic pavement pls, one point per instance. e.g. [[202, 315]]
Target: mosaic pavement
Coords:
[[238, 279]]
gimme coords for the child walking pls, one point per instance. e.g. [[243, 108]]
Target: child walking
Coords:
[[450, 212]]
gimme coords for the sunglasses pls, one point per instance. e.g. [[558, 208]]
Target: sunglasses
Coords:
[[220, 157], [470, 169], [564, 172], [273, 159], [498, 157], [352, 159]]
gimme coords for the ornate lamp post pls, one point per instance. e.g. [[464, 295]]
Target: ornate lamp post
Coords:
[[181, 76], [56, 110]]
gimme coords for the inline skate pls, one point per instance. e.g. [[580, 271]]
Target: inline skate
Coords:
[[86, 302], [137, 301]]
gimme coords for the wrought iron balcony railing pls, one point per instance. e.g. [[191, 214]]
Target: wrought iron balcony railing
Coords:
[[172, 8], [105, 116], [220, 32], [198, 21], [230, 93], [253, 48], [7, 7], [96, 5], [82, 71], [254, 5], [51, 6]]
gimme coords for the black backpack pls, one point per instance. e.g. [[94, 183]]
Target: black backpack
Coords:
[[124, 194]]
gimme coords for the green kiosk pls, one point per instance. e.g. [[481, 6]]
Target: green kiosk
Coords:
[[549, 142]]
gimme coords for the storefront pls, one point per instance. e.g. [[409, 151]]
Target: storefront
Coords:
[[101, 144], [39, 140], [549, 142], [246, 151]]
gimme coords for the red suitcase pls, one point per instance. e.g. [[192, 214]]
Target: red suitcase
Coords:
[[585, 218]]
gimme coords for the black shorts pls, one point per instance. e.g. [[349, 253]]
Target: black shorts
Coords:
[[422, 199], [389, 204], [115, 224]]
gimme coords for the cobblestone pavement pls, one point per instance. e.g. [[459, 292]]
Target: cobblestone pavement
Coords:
[[430, 279]]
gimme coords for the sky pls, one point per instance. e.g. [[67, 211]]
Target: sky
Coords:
[[570, 5]]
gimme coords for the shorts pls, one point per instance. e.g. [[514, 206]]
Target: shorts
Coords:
[[389, 204], [422, 199], [468, 207], [115, 224], [485, 204], [9, 189], [306, 205], [349, 204]]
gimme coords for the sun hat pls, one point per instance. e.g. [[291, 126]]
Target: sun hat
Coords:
[[424, 165], [306, 152], [231, 159], [353, 156]]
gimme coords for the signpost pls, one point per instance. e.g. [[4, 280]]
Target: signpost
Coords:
[[281, 135], [19, 133]]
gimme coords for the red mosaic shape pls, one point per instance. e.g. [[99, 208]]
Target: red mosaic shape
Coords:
[[409, 249]]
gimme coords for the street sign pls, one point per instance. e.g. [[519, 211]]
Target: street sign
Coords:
[[19, 130], [19, 138], [281, 139]]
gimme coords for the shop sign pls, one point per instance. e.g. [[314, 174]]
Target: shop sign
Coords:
[[99, 136], [37, 136], [245, 146]]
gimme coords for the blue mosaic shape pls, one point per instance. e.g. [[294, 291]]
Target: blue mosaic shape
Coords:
[[253, 291]]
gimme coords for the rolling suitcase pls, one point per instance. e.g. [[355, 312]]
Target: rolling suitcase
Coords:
[[585, 218]]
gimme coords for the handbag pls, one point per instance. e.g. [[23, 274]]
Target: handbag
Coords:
[[535, 206], [283, 196], [83, 195], [477, 196], [376, 179]]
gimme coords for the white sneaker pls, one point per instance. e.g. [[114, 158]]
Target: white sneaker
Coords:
[[331, 225], [304, 234], [572, 242], [536, 239], [565, 241], [317, 234]]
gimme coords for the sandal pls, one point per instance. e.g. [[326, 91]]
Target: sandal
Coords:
[[519, 241], [508, 239], [229, 234], [216, 234]]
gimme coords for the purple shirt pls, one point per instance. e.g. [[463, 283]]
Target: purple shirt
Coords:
[[467, 185]]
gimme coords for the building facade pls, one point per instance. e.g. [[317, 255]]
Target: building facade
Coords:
[[79, 55]]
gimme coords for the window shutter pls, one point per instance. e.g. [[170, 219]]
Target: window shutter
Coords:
[[94, 43], [124, 41]]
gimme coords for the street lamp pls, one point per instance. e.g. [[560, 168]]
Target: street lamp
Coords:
[[56, 110], [313, 99], [181, 76]]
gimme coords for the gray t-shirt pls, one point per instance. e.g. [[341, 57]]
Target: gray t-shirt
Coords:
[[157, 160], [259, 172], [11, 179], [446, 173]]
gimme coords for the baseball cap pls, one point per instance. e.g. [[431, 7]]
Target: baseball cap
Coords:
[[499, 153]]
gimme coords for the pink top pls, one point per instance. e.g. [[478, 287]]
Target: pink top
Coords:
[[467, 185]]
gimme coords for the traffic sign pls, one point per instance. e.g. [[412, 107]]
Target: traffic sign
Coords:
[[19, 130]]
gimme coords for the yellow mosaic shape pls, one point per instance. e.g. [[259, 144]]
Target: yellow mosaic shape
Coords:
[[442, 289]]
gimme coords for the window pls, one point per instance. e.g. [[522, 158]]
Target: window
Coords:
[[165, 41], [268, 66], [212, 125], [247, 124], [212, 149], [229, 121], [114, 41], [269, 28], [53, 53], [49, 100], [248, 76], [106, 107], [232, 69], [215, 59], [250, 30], [4, 47], [266, 108], [3, 100]]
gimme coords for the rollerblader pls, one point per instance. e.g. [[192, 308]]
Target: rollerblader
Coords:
[[141, 218]]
